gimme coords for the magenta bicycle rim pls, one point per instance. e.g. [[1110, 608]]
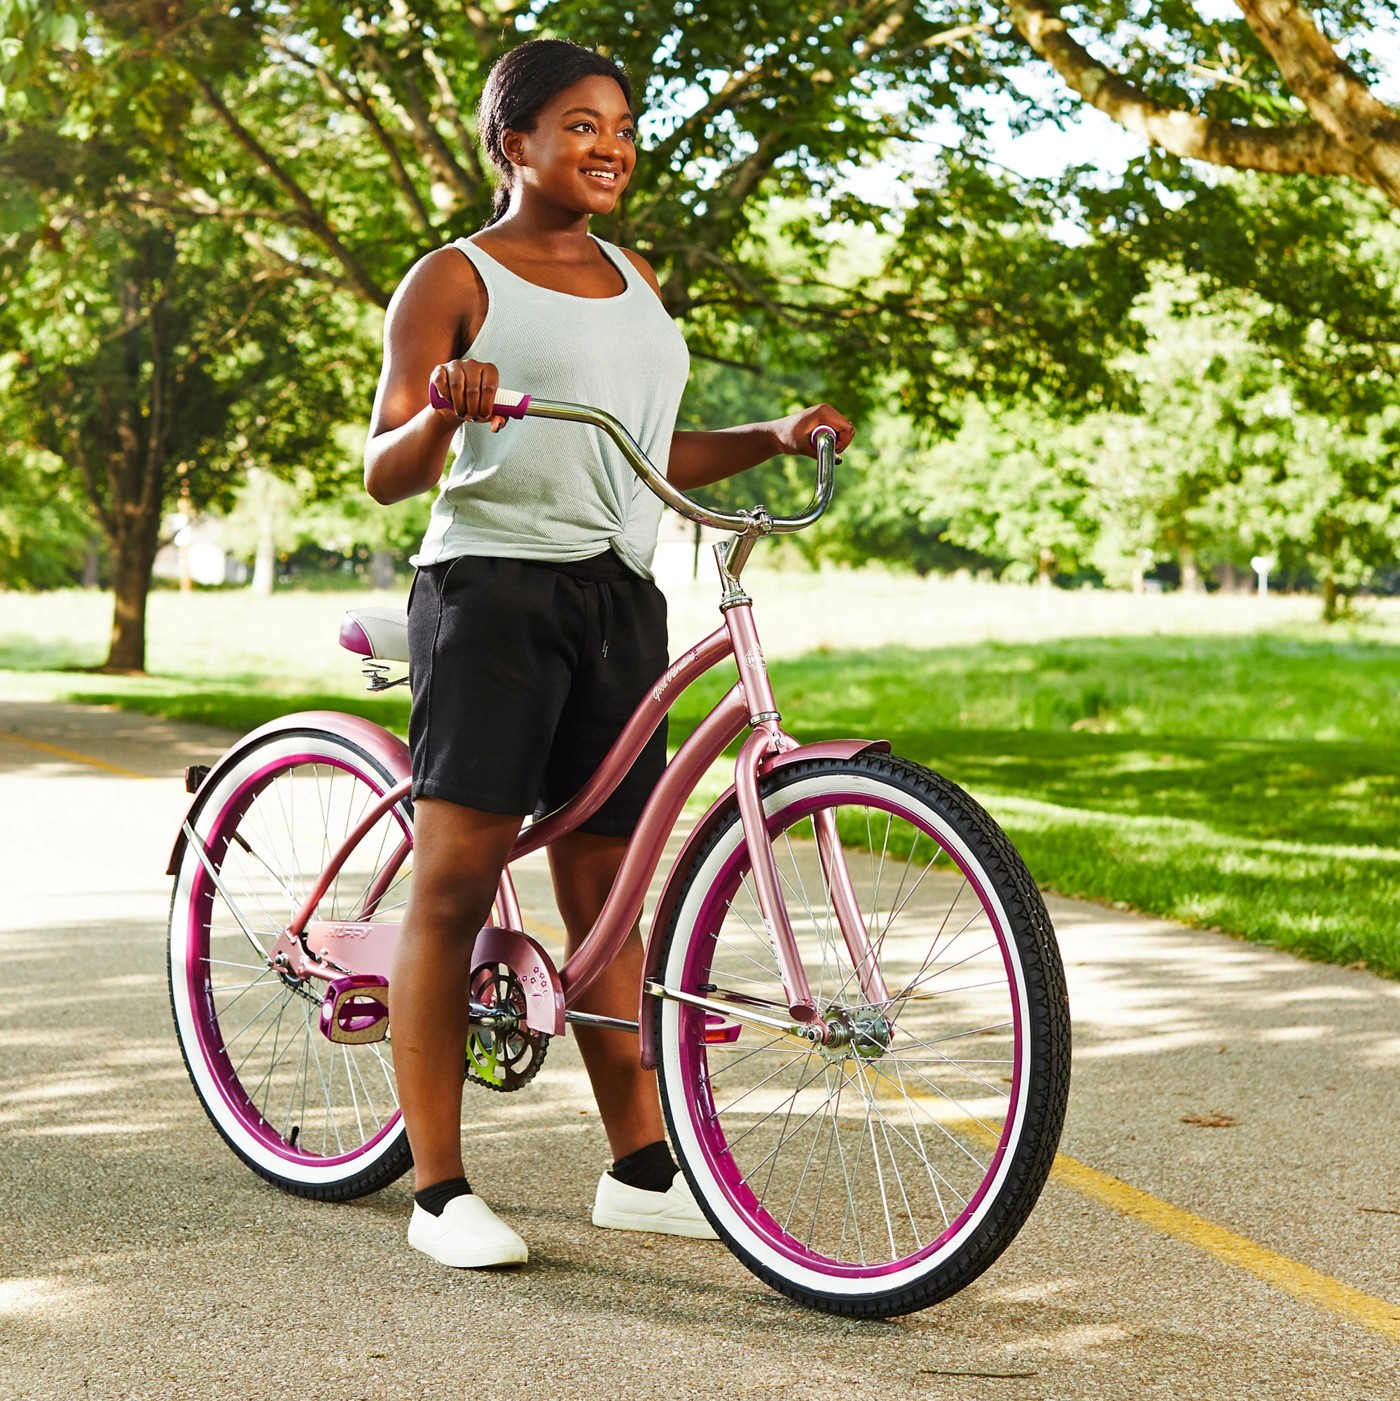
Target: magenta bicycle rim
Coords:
[[202, 894], [721, 1163]]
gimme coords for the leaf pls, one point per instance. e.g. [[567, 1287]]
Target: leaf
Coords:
[[65, 32]]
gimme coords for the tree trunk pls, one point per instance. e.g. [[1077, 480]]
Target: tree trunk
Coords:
[[1333, 600], [133, 550], [1190, 574], [92, 563], [265, 558], [381, 569], [1045, 568]]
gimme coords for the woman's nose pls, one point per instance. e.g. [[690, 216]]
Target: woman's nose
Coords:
[[608, 145]]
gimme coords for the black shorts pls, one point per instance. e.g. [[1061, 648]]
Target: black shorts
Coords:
[[523, 674]]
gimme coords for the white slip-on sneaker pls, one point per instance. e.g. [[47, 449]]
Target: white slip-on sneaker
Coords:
[[673, 1212], [468, 1235]]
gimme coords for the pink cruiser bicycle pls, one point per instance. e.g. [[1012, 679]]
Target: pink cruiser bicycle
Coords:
[[852, 992]]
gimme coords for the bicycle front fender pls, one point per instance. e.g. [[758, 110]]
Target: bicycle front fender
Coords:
[[387, 749], [700, 834]]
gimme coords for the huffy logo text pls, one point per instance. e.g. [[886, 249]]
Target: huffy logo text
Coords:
[[753, 658], [347, 931]]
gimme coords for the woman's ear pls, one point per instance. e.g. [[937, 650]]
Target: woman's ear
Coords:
[[513, 146]]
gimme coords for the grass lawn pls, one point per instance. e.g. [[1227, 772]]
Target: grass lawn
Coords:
[[1247, 780], [1247, 784]]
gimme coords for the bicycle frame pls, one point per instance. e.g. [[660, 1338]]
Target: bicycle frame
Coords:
[[748, 704]]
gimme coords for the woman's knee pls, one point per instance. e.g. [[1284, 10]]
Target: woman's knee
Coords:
[[448, 901]]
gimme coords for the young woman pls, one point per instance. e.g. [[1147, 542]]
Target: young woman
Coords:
[[534, 624]]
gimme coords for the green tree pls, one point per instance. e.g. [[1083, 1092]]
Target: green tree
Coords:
[[154, 358], [335, 145], [45, 529], [1220, 460]]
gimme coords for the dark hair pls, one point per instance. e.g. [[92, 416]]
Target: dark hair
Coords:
[[523, 81]]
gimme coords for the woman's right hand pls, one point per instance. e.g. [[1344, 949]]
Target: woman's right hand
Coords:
[[469, 387]]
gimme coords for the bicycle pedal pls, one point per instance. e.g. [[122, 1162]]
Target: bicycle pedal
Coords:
[[354, 1011]]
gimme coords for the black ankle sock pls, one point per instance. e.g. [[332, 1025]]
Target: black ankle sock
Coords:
[[433, 1199], [652, 1168]]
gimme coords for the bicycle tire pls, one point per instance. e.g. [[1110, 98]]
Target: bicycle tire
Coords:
[[971, 1053], [316, 1119]]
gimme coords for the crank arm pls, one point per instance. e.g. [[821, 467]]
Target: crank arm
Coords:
[[197, 846], [804, 1031]]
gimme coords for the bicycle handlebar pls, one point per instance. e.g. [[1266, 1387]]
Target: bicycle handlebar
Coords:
[[511, 404]]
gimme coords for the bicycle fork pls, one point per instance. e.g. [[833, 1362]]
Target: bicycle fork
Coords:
[[766, 740]]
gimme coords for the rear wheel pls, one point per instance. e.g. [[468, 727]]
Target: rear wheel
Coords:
[[885, 1169], [316, 1118]]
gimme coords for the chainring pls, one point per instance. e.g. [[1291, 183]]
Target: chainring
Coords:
[[502, 1058]]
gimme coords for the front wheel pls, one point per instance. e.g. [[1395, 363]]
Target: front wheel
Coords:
[[316, 1118], [885, 1169]]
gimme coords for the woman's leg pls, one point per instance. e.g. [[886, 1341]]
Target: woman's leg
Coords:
[[458, 853], [583, 866]]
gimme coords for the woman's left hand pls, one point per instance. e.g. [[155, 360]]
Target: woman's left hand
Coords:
[[794, 433]]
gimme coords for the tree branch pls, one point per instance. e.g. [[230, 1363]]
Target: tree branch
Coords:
[[1304, 148], [419, 123], [1340, 102], [276, 259], [158, 414], [466, 139], [355, 99], [314, 221], [190, 199], [78, 451]]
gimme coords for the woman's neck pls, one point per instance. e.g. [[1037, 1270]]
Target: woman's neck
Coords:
[[549, 232]]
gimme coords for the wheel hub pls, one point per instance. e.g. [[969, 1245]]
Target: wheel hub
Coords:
[[863, 1034]]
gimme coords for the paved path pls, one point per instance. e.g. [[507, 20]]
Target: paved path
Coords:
[[1166, 1259]]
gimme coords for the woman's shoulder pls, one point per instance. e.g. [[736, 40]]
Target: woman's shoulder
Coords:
[[643, 267], [444, 278]]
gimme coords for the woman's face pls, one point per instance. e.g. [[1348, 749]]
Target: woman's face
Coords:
[[582, 150]]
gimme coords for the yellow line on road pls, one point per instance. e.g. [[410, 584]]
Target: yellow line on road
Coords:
[[73, 754], [1294, 1278]]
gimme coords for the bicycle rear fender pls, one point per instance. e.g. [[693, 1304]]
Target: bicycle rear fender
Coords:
[[375, 740], [670, 894]]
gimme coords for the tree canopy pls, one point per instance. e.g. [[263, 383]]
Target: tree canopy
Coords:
[[251, 178]]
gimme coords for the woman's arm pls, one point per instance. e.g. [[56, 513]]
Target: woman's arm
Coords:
[[431, 314], [699, 459]]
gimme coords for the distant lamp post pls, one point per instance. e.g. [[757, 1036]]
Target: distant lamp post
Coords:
[[1263, 566]]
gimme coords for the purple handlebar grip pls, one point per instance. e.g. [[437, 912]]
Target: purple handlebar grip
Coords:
[[824, 428], [508, 403]]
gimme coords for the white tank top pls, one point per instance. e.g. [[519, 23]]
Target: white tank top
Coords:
[[541, 489]]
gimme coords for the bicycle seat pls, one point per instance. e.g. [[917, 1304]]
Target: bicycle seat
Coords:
[[376, 632]]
